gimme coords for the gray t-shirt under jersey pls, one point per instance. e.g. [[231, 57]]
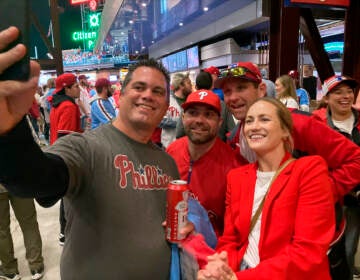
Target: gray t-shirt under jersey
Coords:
[[115, 205]]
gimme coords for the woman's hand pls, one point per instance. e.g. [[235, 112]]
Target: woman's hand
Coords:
[[217, 268]]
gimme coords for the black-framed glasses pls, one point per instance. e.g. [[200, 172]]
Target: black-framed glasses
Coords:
[[237, 71]]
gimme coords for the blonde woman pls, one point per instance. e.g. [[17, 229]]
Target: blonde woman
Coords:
[[279, 218], [286, 92]]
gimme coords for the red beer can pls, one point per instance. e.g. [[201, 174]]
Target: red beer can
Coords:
[[176, 209]]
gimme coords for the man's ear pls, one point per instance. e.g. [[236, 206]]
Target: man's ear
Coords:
[[262, 89], [220, 123]]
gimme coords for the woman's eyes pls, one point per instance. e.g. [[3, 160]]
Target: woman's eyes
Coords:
[[261, 119]]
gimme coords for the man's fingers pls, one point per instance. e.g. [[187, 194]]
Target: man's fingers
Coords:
[[223, 256], [14, 54], [187, 229], [201, 275], [13, 88], [34, 70], [7, 36], [11, 56]]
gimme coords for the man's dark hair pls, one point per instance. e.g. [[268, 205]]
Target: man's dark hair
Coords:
[[152, 63], [203, 80], [61, 92]]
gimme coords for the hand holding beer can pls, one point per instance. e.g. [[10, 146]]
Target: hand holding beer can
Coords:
[[176, 209]]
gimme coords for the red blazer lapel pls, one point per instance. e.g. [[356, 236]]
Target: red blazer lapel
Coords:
[[245, 194], [278, 185]]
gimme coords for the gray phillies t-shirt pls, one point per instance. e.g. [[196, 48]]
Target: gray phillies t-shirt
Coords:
[[115, 205]]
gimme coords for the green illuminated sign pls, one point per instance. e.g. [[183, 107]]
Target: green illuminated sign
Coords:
[[94, 20], [88, 36], [80, 35], [90, 44]]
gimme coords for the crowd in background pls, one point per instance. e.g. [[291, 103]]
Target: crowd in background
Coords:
[[79, 57]]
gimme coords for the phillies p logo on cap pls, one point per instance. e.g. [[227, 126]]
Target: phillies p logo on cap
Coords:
[[202, 94]]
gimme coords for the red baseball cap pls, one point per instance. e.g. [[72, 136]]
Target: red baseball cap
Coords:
[[64, 80], [245, 70], [102, 82], [333, 81], [293, 74], [212, 70], [203, 96], [82, 77]]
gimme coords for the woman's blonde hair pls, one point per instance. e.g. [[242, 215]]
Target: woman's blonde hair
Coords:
[[286, 122], [289, 85], [50, 83]]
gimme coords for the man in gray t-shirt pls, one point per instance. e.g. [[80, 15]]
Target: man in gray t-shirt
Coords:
[[115, 204]]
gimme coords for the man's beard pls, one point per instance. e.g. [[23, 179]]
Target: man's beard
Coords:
[[186, 92], [196, 139]]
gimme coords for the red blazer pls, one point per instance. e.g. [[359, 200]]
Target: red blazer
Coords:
[[297, 222]]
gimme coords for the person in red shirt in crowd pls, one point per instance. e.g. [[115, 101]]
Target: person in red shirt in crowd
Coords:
[[202, 158], [65, 113], [64, 119], [34, 115]]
